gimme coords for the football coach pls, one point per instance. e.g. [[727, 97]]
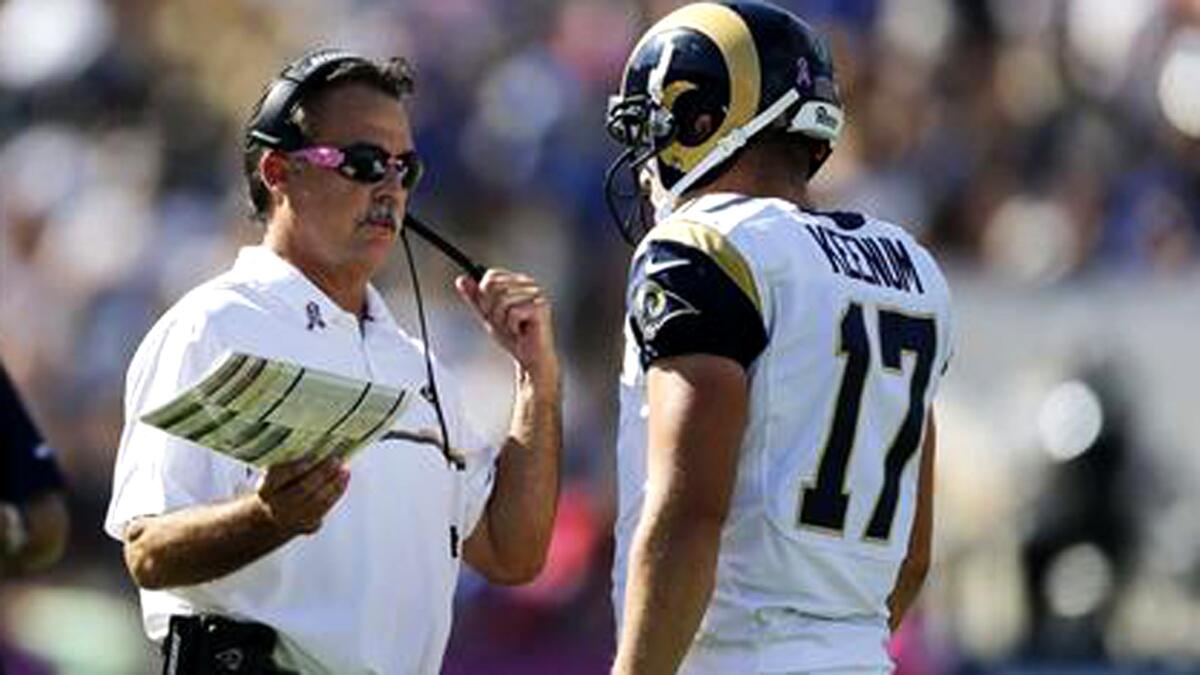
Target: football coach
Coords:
[[324, 566]]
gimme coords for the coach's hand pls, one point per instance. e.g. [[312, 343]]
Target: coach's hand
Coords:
[[516, 313], [296, 495]]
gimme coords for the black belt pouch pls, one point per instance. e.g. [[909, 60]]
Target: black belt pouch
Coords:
[[216, 645]]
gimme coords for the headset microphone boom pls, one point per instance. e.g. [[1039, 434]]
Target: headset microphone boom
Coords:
[[472, 268]]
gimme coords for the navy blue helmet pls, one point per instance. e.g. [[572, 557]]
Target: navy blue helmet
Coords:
[[704, 80]]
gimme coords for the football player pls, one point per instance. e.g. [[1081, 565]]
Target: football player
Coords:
[[776, 441]]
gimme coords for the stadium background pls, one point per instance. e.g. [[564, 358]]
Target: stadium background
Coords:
[[1048, 150]]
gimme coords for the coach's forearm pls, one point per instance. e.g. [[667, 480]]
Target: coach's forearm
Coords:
[[200, 543], [520, 512], [672, 572]]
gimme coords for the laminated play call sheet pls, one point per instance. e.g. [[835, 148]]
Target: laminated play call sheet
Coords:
[[266, 411]]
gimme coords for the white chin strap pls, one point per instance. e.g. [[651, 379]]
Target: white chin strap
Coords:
[[816, 119]]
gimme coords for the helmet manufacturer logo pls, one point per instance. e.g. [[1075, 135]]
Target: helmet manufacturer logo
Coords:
[[825, 119]]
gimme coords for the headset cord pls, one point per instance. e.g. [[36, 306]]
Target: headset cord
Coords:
[[435, 398]]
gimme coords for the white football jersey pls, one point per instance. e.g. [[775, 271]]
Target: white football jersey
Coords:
[[843, 324]]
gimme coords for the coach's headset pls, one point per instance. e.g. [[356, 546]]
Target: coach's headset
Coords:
[[273, 127]]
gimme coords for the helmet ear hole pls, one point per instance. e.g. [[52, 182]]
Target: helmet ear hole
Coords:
[[704, 126], [695, 118]]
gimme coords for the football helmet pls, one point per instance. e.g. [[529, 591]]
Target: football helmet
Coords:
[[699, 84]]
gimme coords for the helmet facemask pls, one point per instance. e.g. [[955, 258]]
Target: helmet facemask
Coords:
[[644, 128]]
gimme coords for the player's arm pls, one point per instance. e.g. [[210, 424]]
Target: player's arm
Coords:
[[697, 317], [509, 543], [698, 407], [205, 542], [916, 562]]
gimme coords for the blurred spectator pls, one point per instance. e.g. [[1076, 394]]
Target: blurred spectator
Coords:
[[33, 515], [1082, 544]]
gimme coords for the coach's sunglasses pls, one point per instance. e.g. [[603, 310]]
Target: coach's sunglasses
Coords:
[[364, 162]]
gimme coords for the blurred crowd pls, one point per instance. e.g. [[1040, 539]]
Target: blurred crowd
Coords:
[[1037, 145]]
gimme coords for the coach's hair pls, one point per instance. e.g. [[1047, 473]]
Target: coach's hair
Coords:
[[393, 77]]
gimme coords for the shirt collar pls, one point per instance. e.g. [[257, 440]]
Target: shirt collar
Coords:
[[280, 278], [378, 314]]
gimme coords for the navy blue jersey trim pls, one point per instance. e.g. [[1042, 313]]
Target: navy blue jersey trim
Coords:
[[846, 220]]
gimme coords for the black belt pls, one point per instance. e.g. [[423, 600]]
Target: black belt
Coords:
[[217, 645]]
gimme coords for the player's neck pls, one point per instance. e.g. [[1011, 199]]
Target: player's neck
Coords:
[[754, 179]]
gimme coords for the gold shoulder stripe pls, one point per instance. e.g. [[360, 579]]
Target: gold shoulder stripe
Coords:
[[716, 247]]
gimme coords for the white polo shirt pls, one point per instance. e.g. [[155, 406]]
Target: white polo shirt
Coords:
[[372, 590]]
